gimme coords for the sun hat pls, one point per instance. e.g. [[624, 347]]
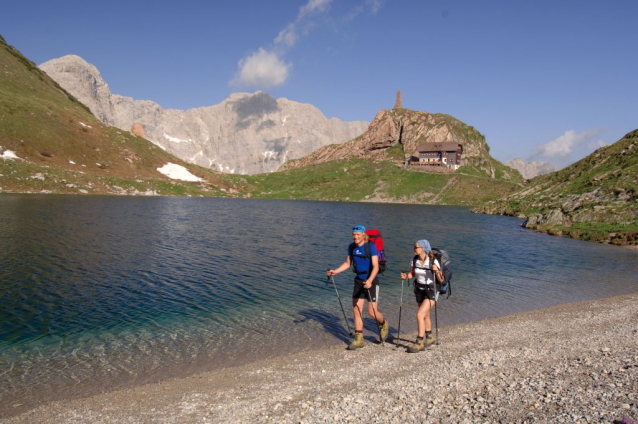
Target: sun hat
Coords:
[[425, 245], [358, 229]]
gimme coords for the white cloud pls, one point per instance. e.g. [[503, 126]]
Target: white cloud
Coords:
[[288, 36], [266, 67], [313, 6], [373, 6], [262, 69], [569, 147]]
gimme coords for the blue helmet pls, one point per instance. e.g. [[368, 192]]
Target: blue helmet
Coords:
[[358, 229]]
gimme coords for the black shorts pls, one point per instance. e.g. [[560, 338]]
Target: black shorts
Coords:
[[427, 293], [360, 293]]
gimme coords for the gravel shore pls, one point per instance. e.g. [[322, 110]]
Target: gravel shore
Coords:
[[568, 363]]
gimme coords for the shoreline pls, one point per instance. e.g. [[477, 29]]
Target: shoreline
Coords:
[[393, 201], [572, 362]]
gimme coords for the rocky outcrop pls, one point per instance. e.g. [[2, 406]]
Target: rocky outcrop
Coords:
[[138, 130], [246, 133], [532, 169], [594, 199], [408, 129]]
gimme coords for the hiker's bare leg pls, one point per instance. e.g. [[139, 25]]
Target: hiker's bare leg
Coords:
[[423, 317], [372, 309], [357, 310]]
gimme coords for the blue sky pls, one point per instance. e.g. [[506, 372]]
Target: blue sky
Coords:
[[542, 80]]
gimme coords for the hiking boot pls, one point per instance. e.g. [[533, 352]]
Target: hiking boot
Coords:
[[429, 340], [357, 343], [418, 346], [385, 329]]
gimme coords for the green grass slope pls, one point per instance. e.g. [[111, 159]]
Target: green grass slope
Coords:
[[593, 199], [63, 148], [362, 180]]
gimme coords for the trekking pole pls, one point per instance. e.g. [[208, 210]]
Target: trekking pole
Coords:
[[341, 304], [400, 311], [375, 315], [436, 317]]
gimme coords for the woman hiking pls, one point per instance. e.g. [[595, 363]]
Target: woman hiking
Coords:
[[366, 284], [426, 269]]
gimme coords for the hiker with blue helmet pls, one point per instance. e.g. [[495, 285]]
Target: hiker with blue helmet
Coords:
[[426, 269], [366, 284]]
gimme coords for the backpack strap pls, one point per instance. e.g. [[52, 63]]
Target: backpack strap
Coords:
[[367, 255], [416, 257], [351, 248]]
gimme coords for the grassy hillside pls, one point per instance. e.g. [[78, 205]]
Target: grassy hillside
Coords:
[[381, 181], [592, 199], [63, 148]]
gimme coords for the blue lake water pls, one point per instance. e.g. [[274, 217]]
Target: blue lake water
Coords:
[[98, 293]]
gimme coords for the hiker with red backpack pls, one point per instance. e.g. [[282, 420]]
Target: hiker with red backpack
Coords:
[[427, 270], [364, 257]]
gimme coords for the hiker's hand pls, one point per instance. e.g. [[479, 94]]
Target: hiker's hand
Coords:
[[404, 276], [367, 284], [330, 272]]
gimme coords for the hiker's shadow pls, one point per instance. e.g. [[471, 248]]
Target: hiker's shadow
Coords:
[[331, 323], [400, 341], [334, 325]]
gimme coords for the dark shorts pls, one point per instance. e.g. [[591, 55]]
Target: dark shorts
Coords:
[[360, 293], [427, 293]]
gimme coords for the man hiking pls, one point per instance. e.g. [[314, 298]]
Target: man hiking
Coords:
[[366, 284]]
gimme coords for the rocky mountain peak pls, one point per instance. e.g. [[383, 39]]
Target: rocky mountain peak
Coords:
[[531, 169], [88, 86], [138, 130], [246, 133], [409, 129]]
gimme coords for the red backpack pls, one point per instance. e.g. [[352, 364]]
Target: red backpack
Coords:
[[374, 236]]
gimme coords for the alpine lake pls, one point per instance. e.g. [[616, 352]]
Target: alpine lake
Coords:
[[99, 293]]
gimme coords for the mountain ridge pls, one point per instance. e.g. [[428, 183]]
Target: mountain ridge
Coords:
[[245, 133], [593, 199]]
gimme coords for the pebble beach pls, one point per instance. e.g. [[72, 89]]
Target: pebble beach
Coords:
[[569, 363]]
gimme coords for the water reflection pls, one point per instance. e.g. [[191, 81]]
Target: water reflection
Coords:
[[100, 292]]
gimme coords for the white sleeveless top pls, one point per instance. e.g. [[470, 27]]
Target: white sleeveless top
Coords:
[[422, 273]]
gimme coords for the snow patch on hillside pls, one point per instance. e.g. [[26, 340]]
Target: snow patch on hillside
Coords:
[[9, 154], [178, 172], [175, 139]]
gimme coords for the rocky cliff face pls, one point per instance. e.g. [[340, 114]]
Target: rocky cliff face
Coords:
[[532, 169], [407, 129], [246, 133]]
